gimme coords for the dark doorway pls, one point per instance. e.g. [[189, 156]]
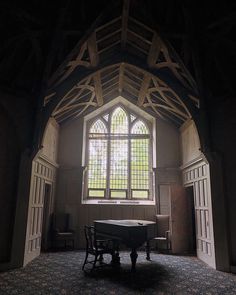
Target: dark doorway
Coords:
[[191, 218], [46, 218]]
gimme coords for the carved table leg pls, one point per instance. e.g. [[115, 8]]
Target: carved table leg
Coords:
[[133, 256], [148, 250], [116, 256]]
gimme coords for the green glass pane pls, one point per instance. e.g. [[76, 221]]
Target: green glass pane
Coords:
[[118, 194], [139, 163], [119, 164], [96, 194], [97, 168], [140, 194]]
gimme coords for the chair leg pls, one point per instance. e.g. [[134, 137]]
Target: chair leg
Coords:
[[85, 260], [100, 258], [95, 261]]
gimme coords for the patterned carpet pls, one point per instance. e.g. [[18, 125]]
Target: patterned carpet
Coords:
[[60, 273]]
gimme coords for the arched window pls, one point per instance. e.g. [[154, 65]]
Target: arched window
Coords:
[[119, 157]]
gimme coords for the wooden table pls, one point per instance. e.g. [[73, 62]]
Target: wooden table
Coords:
[[130, 232]]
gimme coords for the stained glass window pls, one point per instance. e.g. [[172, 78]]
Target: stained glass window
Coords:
[[119, 157]]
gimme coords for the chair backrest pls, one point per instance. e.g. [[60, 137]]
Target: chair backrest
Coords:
[[90, 236], [163, 224], [61, 221]]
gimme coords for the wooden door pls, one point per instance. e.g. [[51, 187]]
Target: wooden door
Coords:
[[173, 202], [179, 219], [46, 217], [41, 174], [203, 216], [198, 176]]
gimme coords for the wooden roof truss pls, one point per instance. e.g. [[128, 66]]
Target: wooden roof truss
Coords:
[[124, 33]]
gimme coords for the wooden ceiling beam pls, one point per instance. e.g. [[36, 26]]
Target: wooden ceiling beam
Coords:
[[114, 20], [125, 17], [69, 99], [93, 50], [154, 50], [75, 112], [144, 89], [121, 77], [98, 88]]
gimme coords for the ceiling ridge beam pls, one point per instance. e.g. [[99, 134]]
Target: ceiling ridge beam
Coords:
[[121, 77], [125, 17]]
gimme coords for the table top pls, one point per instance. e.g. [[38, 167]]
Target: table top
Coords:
[[126, 222]]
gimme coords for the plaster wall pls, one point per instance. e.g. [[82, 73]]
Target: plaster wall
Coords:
[[50, 141], [190, 144]]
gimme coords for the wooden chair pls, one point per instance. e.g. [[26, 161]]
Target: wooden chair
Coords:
[[163, 234], [96, 247], [61, 232], [163, 231]]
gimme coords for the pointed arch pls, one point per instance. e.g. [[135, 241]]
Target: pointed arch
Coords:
[[98, 127], [139, 127], [119, 121]]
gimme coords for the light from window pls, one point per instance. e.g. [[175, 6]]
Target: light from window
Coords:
[[119, 157]]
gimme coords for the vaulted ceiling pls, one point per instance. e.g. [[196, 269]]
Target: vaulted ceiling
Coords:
[[72, 57], [148, 72]]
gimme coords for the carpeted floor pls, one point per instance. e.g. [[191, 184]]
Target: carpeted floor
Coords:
[[60, 273]]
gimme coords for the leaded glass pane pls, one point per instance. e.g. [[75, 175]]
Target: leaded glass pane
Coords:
[[128, 157], [97, 169], [95, 193], [98, 127], [139, 164], [132, 117], [139, 128], [140, 194], [119, 164], [118, 194], [106, 117], [119, 121]]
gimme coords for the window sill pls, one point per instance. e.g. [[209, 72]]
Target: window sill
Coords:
[[119, 202]]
